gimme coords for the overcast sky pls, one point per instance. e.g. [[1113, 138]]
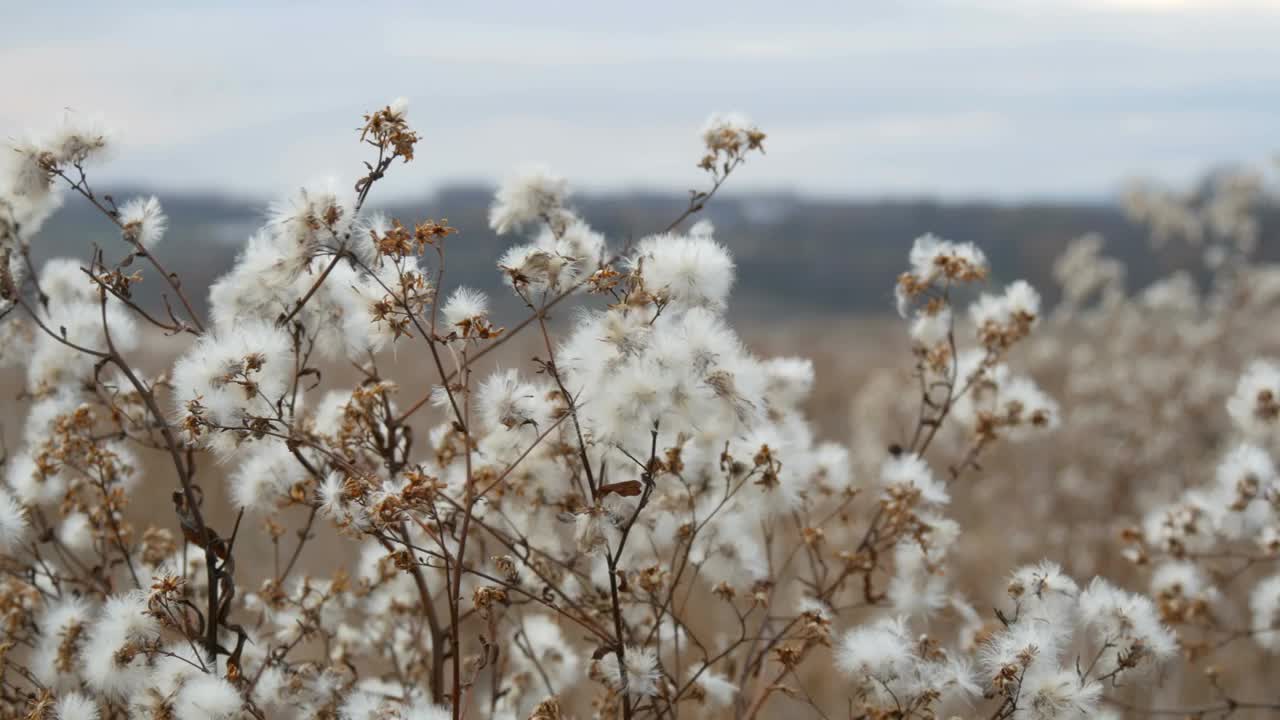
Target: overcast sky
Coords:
[[1005, 98]]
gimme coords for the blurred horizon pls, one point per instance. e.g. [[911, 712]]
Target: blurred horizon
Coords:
[[993, 100], [799, 259]]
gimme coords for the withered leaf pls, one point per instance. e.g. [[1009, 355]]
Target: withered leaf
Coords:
[[628, 488]]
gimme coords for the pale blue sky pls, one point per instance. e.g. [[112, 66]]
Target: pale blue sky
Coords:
[[1004, 98]]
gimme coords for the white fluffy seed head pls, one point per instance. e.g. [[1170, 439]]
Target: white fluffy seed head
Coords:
[[1264, 604], [640, 676], [123, 622], [144, 221], [1044, 591], [1128, 622], [719, 690], [691, 271], [463, 305], [931, 329], [75, 706], [532, 194], [1254, 407], [1057, 695], [207, 697], [14, 524], [265, 477], [910, 472], [727, 128], [234, 374], [78, 138], [878, 651]]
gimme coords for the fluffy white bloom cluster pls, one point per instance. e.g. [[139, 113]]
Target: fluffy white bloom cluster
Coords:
[[81, 320], [28, 192], [315, 234], [937, 262], [718, 690], [1008, 317], [1255, 405], [143, 221], [205, 697], [113, 663], [1239, 508], [999, 402], [890, 668], [535, 194], [229, 379], [908, 475], [1084, 273], [1264, 603], [564, 251], [75, 706], [693, 270], [675, 357], [1222, 222], [542, 654], [645, 519], [1061, 645], [13, 522], [554, 262], [727, 128], [1126, 625], [728, 137], [971, 385], [1141, 376], [464, 307], [975, 390], [639, 675]]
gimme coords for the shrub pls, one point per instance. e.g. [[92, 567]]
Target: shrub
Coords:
[[640, 522]]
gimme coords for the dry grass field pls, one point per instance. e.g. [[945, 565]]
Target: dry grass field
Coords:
[[1024, 503]]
